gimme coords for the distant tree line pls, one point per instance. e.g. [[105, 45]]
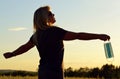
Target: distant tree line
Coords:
[[106, 71], [18, 73]]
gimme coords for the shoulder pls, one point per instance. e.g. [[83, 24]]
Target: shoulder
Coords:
[[57, 32], [55, 28]]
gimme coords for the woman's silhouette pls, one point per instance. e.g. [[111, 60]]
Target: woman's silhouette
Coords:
[[49, 41]]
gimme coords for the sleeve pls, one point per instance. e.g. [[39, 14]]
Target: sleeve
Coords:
[[58, 33], [33, 39]]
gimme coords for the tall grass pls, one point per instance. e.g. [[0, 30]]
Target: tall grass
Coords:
[[17, 77], [35, 77]]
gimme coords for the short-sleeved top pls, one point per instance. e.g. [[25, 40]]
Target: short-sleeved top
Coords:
[[50, 46]]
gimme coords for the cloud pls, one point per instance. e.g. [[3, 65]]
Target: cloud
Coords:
[[17, 29]]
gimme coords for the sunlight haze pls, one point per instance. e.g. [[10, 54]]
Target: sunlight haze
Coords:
[[92, 16]]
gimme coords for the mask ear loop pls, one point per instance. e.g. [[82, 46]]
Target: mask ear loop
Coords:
[[108, 51]]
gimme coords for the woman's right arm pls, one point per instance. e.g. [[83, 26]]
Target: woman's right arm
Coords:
[[22, 49]]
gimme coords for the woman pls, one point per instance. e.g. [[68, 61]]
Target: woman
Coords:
[[49, 41]]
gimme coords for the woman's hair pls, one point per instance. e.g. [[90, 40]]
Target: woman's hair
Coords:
[[40, 19]]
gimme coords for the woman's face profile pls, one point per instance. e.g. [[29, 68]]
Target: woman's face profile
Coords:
[[51, 18]]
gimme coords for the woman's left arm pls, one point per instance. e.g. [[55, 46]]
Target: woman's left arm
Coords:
[[85, 36]]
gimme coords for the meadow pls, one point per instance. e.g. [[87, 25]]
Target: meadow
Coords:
[[35, 77]]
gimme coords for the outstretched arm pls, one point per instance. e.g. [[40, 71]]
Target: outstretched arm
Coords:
[[22, 49], [85, 36]]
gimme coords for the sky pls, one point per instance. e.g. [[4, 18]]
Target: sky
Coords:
[[91, 16]]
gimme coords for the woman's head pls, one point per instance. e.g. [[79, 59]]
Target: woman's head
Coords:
[[43, 18]]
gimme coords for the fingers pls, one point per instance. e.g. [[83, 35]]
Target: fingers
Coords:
[[104, 37], [107, 37], [7, 55]]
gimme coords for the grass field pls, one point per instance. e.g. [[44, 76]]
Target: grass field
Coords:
[[5, 77]]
